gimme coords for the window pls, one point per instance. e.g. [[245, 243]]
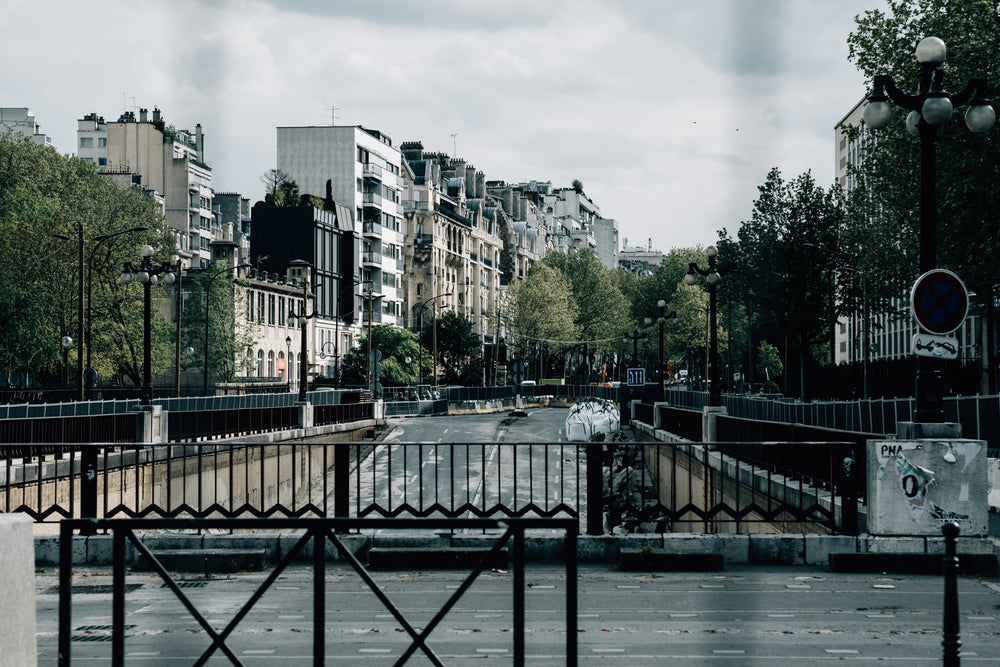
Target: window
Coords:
[[270, 364], [86, 142], [260, 363], [102, 142], [270, 309], [281, 311], [250, 306], [260, 307], [102, 162], [420, 289]]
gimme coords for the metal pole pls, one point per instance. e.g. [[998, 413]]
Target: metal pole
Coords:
[[929, 408], [303, 322], [147, 355], [951, 643], [435, 336], [79, 320], [715, 390], [179, 305], [659, 390]]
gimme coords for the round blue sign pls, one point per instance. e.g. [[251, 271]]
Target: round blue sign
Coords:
[[939, 301]]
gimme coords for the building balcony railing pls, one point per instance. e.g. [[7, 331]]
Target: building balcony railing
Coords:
[[372, 257], [474, 257], [376, 317], [416, 205], [371, 198], [373, 229], [369, 169], [423, 239], [488, 262], [400, 264]]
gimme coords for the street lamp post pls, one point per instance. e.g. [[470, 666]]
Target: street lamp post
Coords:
[[635, 337], [336, 330], [713, 276], [423, 307], [303, 320], [929, 109], [148, 274], [208, 301], [288, 362], [661, 320]]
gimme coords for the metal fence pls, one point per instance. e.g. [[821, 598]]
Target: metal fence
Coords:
[[316, 533], [978, 415]]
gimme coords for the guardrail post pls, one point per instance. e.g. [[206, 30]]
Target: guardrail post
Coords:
[[951, 643], [595, 489]]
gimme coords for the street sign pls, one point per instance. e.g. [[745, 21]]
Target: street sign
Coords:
[[939, 347], [636, 377], [939, 301]]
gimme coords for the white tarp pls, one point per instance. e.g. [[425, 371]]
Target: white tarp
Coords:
[[590, 416]]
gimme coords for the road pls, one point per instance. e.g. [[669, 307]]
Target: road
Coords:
[[471, 460], [744, 615]]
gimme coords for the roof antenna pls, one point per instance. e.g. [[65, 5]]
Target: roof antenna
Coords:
[[333, 114]]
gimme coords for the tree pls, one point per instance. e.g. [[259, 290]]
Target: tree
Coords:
[[457, 345], [280, 189], [784, 260], [41, 194], [396, 345], [540, 315], [601, 314]]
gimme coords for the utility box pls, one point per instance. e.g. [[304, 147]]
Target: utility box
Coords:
[[916, 486]]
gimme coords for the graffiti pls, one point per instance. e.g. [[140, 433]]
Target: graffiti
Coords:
[[945, 515], [914, 480]]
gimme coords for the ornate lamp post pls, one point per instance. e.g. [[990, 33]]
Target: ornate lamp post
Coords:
[[303, 320], [661, 319], [929, 109], [713, 276], [148, 274], [635, 337], [288, 362]]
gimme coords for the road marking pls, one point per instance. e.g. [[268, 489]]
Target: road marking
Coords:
[[712, 586], [627, 588], [781, 615], [728, 651], [373, 650], [608, 650], [798, 586], [842, 651], [487, 616], [151, 654], [588, 615], [881, 615], [258, 651], [978, 618], [491, 650], [884, 586], [683, 615]]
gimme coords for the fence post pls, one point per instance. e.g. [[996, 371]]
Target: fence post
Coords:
[[342, 480], [951, 642], [595, 489]]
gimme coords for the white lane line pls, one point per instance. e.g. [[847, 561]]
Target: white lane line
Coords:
[[491, 650], [781, 615], [842, 651], [608, 650], [258, 651], [728, 651], [373, 650]]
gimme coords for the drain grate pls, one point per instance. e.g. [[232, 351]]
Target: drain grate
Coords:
[[96, 633]]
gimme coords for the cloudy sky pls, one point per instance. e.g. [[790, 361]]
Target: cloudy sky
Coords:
[[670, 112]]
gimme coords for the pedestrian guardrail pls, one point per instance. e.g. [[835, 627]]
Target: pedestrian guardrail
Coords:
[[317, 533]]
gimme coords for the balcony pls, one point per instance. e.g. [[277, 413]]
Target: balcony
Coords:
[[409, 205], [373, 229], [423, 239], [372, 170], [474, 257], [488, 262], [400, 264], [372, 257], [371, 199]]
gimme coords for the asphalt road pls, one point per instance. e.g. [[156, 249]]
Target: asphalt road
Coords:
[[744, 615], [472, 460]]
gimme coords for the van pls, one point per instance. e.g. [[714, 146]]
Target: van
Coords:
[[527, 383]]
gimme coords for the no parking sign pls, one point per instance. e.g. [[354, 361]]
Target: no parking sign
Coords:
[[939, 301]]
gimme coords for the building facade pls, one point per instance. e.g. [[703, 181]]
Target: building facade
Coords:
[[22, 121]]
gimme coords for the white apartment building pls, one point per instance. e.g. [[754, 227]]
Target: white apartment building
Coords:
[[639, 260], [163, 159], [21, 120], [361, 167]]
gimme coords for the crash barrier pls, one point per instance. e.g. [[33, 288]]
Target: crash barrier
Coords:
[[978, 415], [413, 408], [316, 534]]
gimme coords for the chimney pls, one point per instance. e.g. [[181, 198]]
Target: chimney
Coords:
[[470, 181], [156, 114], [328, 199], [650, 244], [142, 115], [199, 142], [480, 185]]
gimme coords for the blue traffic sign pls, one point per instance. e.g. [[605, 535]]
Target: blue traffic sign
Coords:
[[636, 377], [939, 301]]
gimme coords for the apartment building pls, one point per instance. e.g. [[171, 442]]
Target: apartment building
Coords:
[[163, 159], [22, 121], [454, 240], [639, 260], [359, 168]]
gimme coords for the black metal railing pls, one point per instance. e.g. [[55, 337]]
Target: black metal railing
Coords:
[[317, 532], [722, 487]]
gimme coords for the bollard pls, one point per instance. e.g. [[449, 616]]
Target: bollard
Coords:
[[951, 643]]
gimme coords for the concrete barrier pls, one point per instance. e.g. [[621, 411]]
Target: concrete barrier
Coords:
[[17, 581]]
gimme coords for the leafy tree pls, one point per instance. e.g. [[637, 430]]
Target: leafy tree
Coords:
[[783, 262], [601, 308], [457, 344], [280, 189], [540, 314], [884, 234], [42, 194], [769, 364], [396, 345]]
